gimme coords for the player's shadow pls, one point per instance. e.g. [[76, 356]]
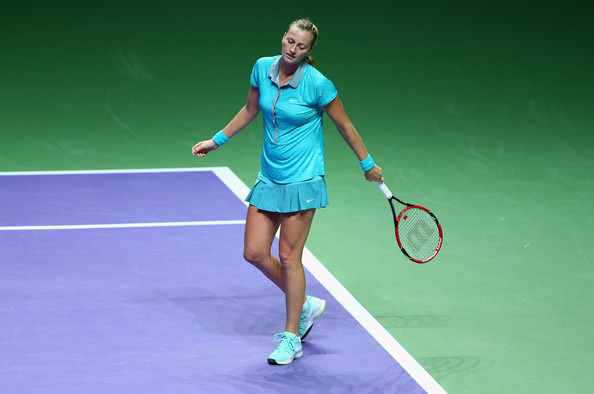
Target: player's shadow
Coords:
[[245, 313]]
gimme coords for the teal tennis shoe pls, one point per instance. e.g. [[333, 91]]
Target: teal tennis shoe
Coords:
[[311, 311], [288, 349]]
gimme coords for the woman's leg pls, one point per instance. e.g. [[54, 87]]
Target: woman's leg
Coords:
[[287, 273], [294, 229], [260, 229]]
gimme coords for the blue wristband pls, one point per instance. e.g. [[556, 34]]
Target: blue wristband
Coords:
[[220, 138], [367, 163]]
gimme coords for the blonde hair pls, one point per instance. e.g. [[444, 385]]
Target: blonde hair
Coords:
[[306, 25]]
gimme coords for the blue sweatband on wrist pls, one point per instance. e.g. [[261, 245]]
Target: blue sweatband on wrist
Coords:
[[367, 163], [220, 138]]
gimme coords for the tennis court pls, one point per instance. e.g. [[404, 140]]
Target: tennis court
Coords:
[[482, 112], [95, 297]]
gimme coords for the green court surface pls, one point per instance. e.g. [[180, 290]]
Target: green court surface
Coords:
[[482, 111]]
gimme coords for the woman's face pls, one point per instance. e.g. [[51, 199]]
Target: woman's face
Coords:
[[296, 45]]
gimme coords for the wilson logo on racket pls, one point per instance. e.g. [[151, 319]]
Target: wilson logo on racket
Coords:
[[418, 232]]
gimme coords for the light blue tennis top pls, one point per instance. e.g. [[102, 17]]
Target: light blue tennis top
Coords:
[[293, 146]]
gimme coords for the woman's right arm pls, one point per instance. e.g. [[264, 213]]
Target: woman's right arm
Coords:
[[244, 117]]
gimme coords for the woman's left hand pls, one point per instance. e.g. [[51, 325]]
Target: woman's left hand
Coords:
[[375, 174]]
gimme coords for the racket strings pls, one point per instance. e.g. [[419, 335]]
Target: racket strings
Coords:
[[418, 233]]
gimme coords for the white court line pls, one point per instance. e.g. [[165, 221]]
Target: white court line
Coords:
[[91, 172], [119, 225], [311, 263]]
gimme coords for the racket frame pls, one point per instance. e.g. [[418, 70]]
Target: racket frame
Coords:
[[391, 198]]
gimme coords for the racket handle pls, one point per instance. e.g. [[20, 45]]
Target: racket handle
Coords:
[[384, 189]]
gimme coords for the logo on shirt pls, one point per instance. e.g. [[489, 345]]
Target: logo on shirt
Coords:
[[293, 100]]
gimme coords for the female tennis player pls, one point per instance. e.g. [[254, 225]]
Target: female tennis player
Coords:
[[293, 96]]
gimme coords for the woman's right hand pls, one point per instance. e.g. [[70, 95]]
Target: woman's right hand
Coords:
[[203, 147]]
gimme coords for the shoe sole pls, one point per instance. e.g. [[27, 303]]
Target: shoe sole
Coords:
[[312, 324], [274, 362]]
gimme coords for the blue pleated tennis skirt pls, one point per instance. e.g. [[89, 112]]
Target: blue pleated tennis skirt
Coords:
[[292, 197]]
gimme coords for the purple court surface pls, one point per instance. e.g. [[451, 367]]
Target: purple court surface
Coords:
[[134, 281]]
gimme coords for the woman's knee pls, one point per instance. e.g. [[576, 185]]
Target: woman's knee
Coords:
[[290, 259], [254, 256]]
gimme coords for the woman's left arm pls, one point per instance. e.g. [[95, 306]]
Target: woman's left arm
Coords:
[[336, 112]]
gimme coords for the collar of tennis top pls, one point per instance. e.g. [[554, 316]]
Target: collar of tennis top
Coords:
[[295, 79]]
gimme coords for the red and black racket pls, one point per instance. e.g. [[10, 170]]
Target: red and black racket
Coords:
[[418, 231]]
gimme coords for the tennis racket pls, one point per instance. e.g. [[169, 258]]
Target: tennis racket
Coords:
[[418, 231]]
